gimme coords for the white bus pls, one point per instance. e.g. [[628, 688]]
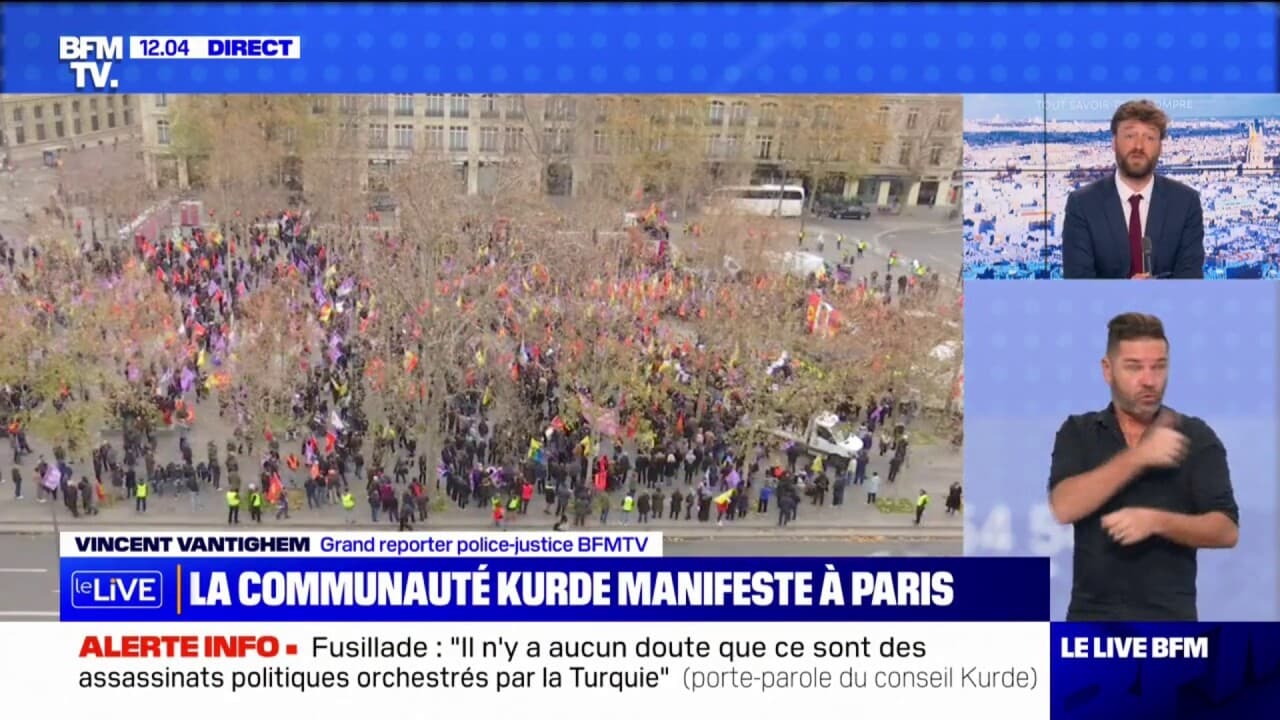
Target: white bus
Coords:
[[768, 200]]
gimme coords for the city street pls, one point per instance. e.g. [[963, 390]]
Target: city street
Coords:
[[29, 563]]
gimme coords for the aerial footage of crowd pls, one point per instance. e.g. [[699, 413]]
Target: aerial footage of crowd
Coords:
[[666, 456]]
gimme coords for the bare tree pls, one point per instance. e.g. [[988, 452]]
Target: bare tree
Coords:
[[239, 146]]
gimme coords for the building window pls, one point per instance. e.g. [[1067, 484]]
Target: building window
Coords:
[[561, 108], [489, 105], [684, 112], [76, 127], [904, 155], [435, 105], [319, 104], [515, 106], [558, 140], [40, 132], [944, 120], [128, 116], [713, 145], [162, 100], [935, 155], [876, 153], [489, 139], [768, 114], [882, 116], [347, 104], [93, 104], [913, 119], [378, 104], [435, 137], [600, 142], [59, 129], [513, 139], [162, 132], [715, 112], [111, 118], [348, 133], [19, 135], [378, 136], [17, 114], [458, 138], [604, 108], [75, 107], [764, 147], [93, 123], [37, 112], [822, 116], [731, 145], [738, 113], [57, 110], [404, 104], [628, 141], [459, 105], [404, 137]]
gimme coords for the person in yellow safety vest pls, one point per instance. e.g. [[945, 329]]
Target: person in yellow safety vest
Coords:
[[349, 507], [862, 246], [839, 241], [628, 506], [233, 507], [140, 496], [255, 504], [817, 465], [921, 503], [800, 239]]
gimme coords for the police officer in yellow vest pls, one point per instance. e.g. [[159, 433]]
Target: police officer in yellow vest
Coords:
[[349, 506], [233, 507], [255, 504], [921, 503], [628, 506], [140, 496]]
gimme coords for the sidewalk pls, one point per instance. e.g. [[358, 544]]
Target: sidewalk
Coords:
[[172, 513]]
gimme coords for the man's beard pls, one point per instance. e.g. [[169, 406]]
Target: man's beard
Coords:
[[1136, 167]]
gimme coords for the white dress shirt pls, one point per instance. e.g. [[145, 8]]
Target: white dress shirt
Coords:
[[1144, 206]]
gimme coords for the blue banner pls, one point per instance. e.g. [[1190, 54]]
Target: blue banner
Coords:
[[663, 48], [651, 589], [1168, 671]]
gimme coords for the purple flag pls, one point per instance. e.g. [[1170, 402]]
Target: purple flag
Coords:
[[347, 286], [188, 379], [52, 478]]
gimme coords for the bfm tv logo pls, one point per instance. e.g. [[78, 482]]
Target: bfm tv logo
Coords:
[[117, 590]]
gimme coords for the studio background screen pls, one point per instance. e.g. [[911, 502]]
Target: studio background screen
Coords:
[[1024, 154]]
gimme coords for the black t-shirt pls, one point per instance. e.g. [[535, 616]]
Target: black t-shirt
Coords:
[[1154, 579]]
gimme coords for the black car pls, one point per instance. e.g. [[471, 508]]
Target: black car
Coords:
[[840, 209], [848, 211]]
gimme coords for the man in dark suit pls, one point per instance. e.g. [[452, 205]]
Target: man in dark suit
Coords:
[[1106, 221]]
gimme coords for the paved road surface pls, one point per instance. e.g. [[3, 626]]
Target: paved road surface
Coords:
[[29, 578]]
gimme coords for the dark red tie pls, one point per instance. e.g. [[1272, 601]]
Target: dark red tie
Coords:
[[1135, 235]]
